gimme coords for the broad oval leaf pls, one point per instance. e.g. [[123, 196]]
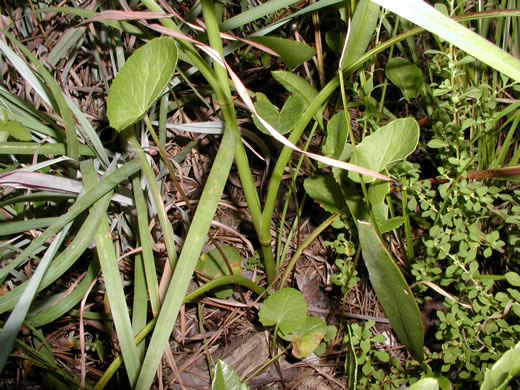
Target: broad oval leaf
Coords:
[[407, 76], [390, 143], [291, 52], [141, 81], [286, 307], [393, 292]]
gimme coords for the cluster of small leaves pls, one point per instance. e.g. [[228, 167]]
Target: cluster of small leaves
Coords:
[[346, 277], [377, 365], [463, 237]]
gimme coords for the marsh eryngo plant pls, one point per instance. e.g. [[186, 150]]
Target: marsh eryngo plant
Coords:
[[245, 159]]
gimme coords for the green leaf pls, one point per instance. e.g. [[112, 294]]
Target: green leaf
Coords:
[[17, 130], [336, 145], [291, 52], [3, 136], [393, 292], [388, 144], [301, 87], [296, 85], [284, 120], [505, 368], [362, 28], [4, 117], [213, 264], [307, 338], [286, 308], [513, 278], [425, 384], [407, 76], [141, 81], [325, 191], [226, 379]]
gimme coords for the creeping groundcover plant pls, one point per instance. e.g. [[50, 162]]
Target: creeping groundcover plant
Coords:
[[179, 181]]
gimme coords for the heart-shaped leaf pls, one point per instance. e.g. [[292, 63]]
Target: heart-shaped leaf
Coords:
[[390, 143], [286, 308], [284, 120], [393, 292], [141, 81]]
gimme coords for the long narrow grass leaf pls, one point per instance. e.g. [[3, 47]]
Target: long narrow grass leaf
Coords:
[[58, 97], [65, 259], [429, 18], [113, 286], [105, 185], [15, 320], [146, 244]]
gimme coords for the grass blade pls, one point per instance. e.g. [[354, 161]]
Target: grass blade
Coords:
[[17, 317], [105, 185], [434, 21], [113, 286]]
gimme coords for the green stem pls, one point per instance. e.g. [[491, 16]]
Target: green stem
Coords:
[[225, 100]]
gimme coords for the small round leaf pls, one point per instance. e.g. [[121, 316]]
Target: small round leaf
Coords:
[[286, 307]]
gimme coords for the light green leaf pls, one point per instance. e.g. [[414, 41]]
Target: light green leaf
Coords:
[[513, 278], [296, 85], [4, 117], [17, 130], [405, 75], [425, 384], [286, 308], [3, 135], [388, 144], [307, 338], [505, 368], [213, 264], [362, 28], [284, 120], [336, 145], [291, 52], [424, 15], [393, 292], [325, 191], [226, 379], [141, 81], [377, 192]]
